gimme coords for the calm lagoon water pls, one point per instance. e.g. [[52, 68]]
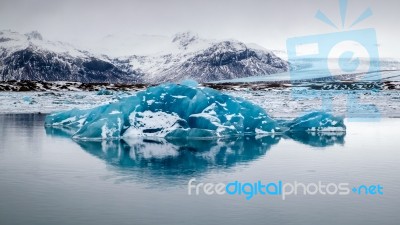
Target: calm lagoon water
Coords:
[[47, 178]]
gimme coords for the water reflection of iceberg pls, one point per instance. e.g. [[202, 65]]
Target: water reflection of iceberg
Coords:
[[315, 139], [180, 159]]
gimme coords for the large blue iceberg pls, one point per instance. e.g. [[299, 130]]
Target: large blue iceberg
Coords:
[[183, 111]]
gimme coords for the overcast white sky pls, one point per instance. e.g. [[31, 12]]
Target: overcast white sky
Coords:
[[265, 22]]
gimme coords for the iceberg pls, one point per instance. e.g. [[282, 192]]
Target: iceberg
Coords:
[[186, 110], [28, 100], [317, 122]]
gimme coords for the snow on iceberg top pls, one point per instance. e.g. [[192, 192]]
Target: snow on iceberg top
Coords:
[[184, 111]]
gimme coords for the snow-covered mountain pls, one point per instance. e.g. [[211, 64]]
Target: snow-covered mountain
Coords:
[[190, 57], [30, 57], [118, 60]]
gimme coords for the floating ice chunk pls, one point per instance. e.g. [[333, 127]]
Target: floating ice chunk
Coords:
[[78, 96], [28, 100], [104, 92], [197, 112], [317, 122]]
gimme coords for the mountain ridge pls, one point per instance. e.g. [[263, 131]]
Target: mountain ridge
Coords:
[[185, 56]]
